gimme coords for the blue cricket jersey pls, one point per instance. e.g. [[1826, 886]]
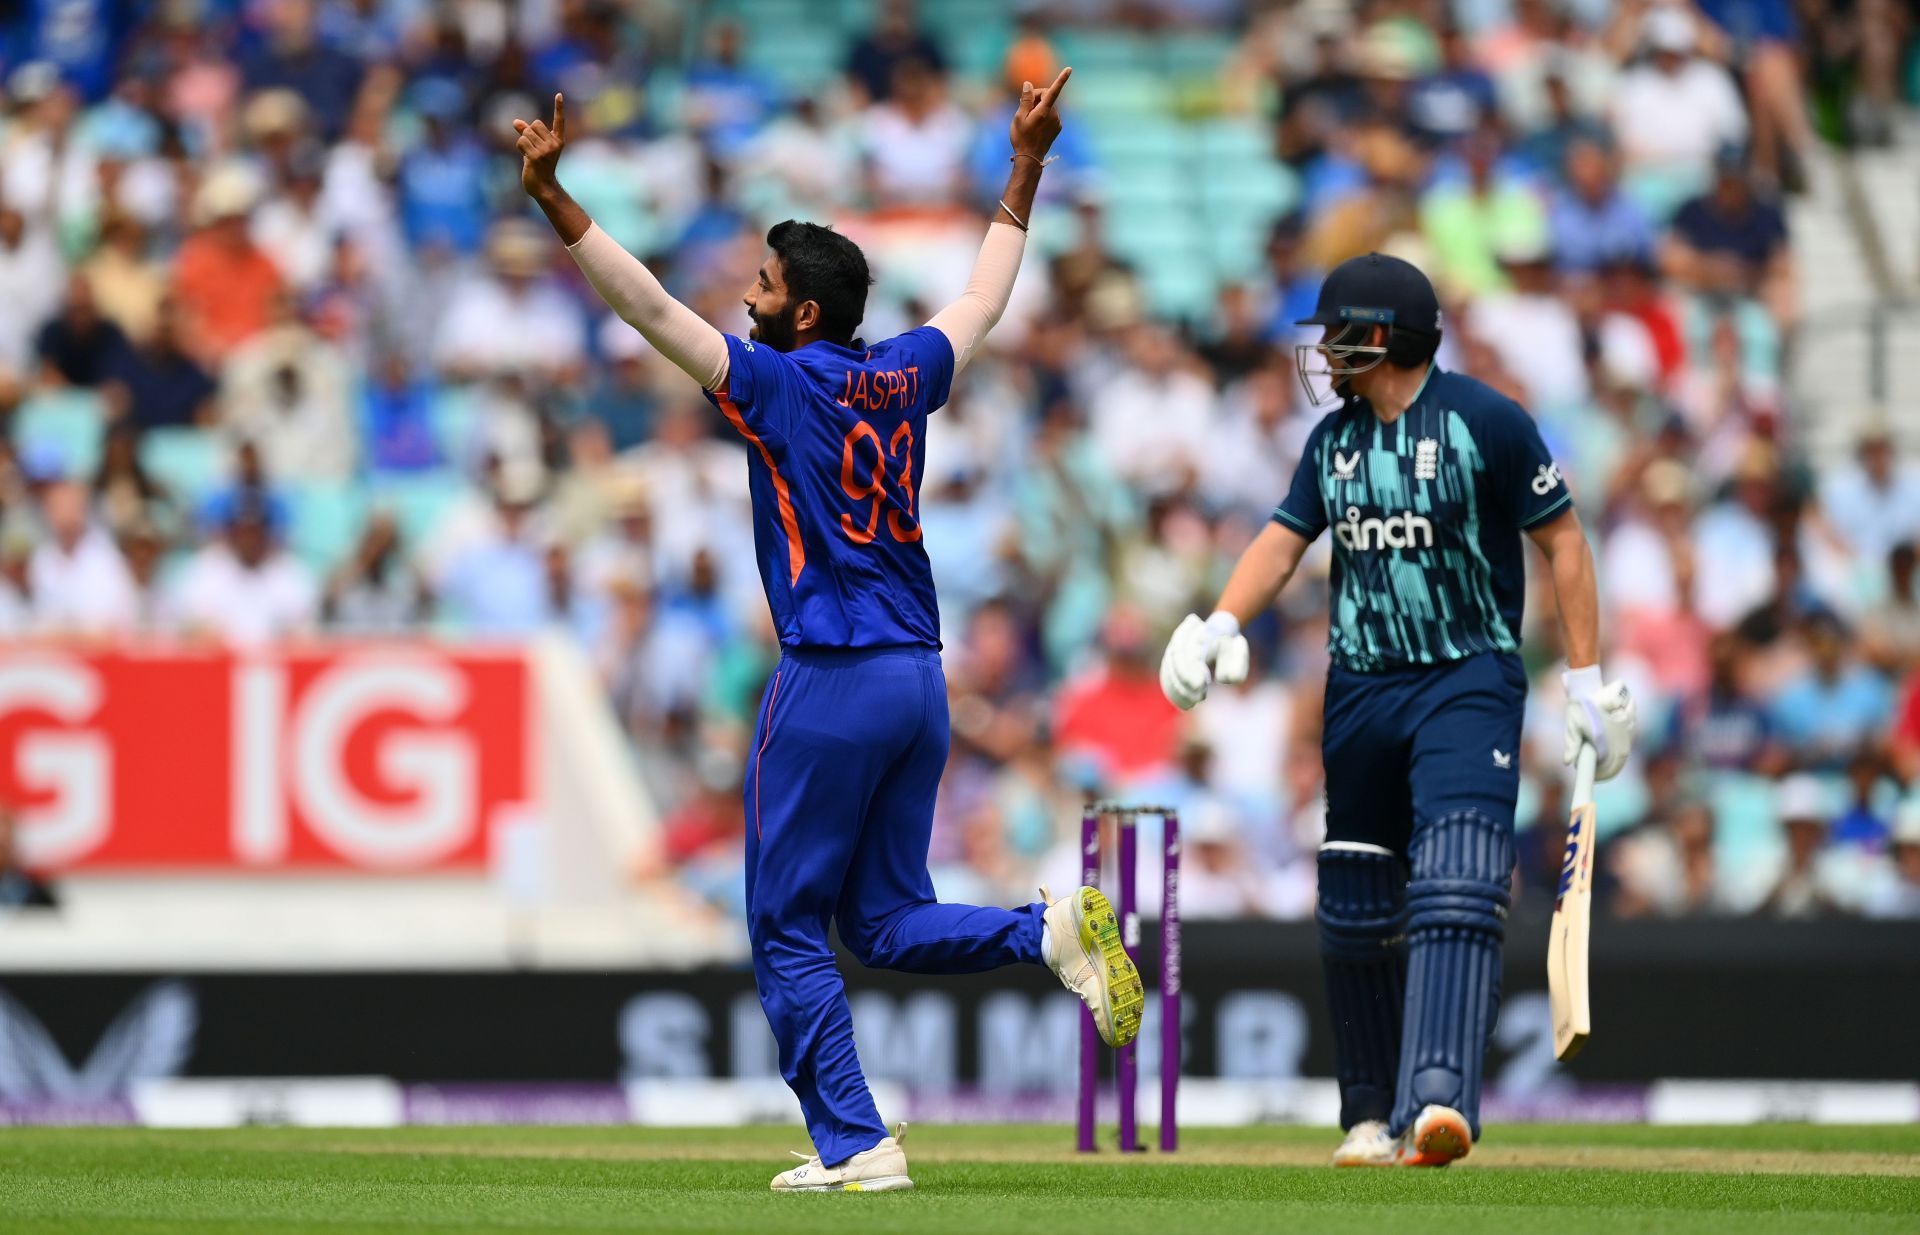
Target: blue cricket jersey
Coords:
[[1426, 512], [834, 462]]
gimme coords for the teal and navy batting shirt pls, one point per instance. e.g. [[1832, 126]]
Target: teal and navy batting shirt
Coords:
[[834, 462], [1426, 515]]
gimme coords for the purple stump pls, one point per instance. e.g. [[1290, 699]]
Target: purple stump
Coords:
[[1089, 1035], [1126, 1066], [1170, 984]]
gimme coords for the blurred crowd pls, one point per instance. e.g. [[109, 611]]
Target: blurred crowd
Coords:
[[283, 352]]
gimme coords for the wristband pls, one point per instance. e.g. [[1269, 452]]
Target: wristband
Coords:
[[1582, 682], [1223, 625]]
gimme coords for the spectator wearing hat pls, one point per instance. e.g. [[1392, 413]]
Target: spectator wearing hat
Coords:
[[294, 225], [509, 319], [77, 579], [1530, 325], [1897, 894], [225, 284], [1672, 111], [243, 589], [1802, 889], [498, 585]]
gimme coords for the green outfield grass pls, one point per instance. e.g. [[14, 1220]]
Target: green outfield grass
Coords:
[[971, 1181]]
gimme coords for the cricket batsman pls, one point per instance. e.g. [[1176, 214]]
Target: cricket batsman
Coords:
[[1428, 480], [852, 733]]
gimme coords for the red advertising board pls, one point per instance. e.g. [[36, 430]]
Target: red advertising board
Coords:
[[387, 758]]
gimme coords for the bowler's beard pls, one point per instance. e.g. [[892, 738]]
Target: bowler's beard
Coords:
[[775, 331]]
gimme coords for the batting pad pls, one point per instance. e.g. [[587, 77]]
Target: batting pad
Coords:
[[1456, 924], [1362, 917]]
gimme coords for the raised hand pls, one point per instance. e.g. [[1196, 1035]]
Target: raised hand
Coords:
[[1037, 120], [540, 149]]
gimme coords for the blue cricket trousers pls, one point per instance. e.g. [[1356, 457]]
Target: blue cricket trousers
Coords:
[[846, 760]]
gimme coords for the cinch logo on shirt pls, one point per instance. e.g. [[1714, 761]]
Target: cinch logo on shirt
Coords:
[[1546, 478], [1405, 530]]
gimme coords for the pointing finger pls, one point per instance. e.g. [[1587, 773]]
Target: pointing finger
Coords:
[[560, 116], [1059, 83]]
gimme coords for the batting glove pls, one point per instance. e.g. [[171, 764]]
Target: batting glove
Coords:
[[1201, 653], [1599, 715]]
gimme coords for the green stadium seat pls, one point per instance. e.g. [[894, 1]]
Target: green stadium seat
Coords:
[[1181, 290], [191, 463], [979, 51], [324, 522], [1195, 54], [800, 59], [1141, 145], [1120, 96], [67, 424], [455, 416], [1257, 193], [1098, 53]]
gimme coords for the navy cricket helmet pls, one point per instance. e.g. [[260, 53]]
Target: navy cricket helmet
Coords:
[[1359, 294]]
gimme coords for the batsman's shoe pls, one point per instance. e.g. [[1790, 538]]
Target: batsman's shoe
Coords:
[[1085, 949], [880, 1169], [1368, 1143], [1440, 1135]]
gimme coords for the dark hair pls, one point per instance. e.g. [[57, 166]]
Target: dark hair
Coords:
[[825, 267]]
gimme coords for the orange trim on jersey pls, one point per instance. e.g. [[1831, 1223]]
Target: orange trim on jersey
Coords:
[[761, 758], [796, 548]]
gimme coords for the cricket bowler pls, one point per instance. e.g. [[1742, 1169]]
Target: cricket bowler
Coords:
[[852, 733], [1428, 480]]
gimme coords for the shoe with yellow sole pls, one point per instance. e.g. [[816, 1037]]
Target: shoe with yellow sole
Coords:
[[1085, 949]]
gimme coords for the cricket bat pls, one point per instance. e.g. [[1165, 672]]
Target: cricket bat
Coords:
[[1572, 919]]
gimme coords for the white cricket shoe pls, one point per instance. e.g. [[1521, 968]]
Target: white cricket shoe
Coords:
[[880, 1169], [1368, 1143], [1440, 1135], [1084, 947]]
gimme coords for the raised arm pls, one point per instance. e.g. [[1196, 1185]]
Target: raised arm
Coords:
[[966, 321], [628, 287]]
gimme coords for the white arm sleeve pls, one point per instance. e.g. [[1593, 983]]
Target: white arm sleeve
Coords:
[[966, 321], [630, 290]]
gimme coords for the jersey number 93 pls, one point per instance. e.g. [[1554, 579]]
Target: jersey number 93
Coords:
[[873, 487]]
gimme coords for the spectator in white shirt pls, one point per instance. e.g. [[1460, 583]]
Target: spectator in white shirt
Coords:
[[1532, 327], [1671, 113], [243, 589], [32, 281], [1873, 504], [1153, 421], [79, 582], [288, 390], [916, 143], [510, 321]]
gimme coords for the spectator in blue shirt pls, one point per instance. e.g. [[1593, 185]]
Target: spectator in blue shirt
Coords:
[[1732, 242], [1452, 102], [726, 103], [1833, 707], [292, 56], [443, 183], [1594, 223]]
